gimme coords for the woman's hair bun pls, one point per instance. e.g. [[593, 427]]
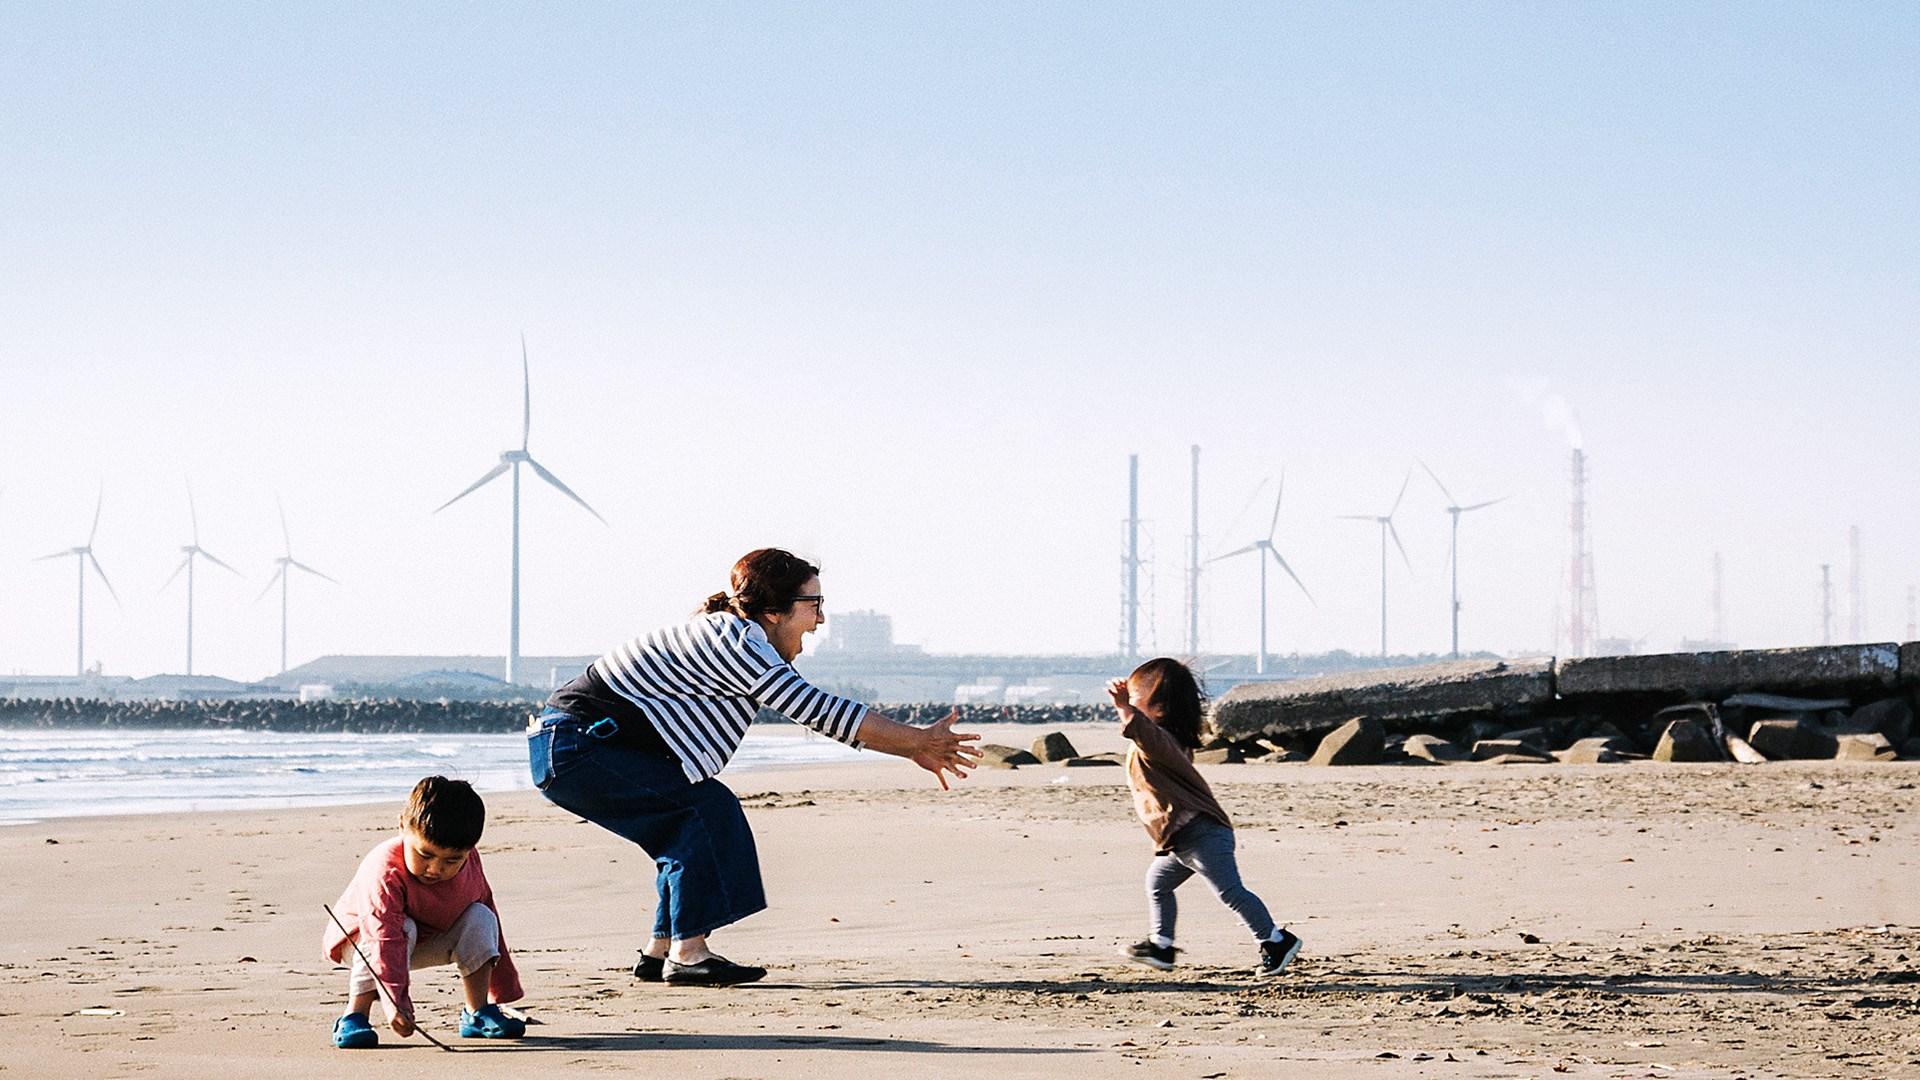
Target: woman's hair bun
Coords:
[[765, 579]]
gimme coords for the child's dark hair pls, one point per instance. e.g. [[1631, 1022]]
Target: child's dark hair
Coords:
[[448, 813], [1171, 687]]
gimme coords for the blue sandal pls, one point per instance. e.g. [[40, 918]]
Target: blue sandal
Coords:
[[353, 1032], [490, 1023]]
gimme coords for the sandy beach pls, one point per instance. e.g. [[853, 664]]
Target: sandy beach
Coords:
[[1463, 921]]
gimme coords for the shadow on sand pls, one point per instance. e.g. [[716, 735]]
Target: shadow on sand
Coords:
[[1422, 983], [650, 1040]]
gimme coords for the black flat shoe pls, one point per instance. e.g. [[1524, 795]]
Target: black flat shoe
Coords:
[[650, 968], [715, 970]]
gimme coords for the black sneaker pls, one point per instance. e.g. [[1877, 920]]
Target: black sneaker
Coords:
[[650, 968], [715, 970], [1154, 956], [1276, 955]]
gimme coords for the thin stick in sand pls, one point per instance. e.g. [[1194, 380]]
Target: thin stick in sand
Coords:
[[380, 984]]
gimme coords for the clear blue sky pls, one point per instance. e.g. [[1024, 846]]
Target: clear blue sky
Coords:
[[901, 286]]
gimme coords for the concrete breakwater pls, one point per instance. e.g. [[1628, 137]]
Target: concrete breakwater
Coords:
[[1853, 701]]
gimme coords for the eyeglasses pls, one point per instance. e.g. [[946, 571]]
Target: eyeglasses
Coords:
[[819, 601]]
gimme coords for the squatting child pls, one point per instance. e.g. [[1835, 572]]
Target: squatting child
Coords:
[[1160, 709], [420, 900]]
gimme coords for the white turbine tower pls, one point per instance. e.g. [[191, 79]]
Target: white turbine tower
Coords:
[[513, 459], [82, 556], [282, 574], [192, 551], [1385, 521], [1454, 510], [1265, 548]]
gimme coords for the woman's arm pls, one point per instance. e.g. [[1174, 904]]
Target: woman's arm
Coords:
[[937, 749]]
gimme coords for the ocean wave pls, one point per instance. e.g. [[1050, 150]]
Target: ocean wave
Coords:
[[169, 772]]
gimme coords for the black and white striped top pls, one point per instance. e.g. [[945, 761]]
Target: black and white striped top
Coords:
[[701, 683]]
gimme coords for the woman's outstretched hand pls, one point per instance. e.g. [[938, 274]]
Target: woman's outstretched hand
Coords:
[[944, 750], [938, 749]]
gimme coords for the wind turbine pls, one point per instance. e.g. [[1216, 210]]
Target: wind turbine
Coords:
[[1265, 547], [192, 551], [1385, 521], [513, 459], [284, 564], [1454, 510], [83, 555]]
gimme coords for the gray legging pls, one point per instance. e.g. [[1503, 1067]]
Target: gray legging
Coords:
[[1203, 846]]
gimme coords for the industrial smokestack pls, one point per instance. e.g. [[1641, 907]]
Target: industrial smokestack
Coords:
[[1584, 622], [1719, 611], [1131, 642], [1193, 565], [1856, 619], [1826, 603]]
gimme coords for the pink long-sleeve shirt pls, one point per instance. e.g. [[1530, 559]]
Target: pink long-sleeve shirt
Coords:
[[383, 894]]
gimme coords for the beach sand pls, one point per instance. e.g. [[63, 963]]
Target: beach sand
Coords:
[[1465, 921]]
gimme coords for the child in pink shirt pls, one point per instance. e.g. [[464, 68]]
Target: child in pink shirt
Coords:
[[421, 899]]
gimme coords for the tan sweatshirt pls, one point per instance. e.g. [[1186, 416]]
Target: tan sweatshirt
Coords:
[[1168, 791]]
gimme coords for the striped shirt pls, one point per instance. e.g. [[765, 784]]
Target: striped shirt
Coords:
[[701, 683]]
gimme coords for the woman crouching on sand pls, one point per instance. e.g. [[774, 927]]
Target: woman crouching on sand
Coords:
[[633, 745]]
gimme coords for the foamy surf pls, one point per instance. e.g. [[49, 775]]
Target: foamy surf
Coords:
[[57, 773]]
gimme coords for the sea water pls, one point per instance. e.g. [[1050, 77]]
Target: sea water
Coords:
[[54, 773]]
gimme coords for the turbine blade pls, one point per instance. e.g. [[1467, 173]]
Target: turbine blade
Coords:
[[1489, 502], [103, 578], [96, 515], [1251, 499], [1358, 517], [193, 515], [284, 533], [309, 569], [526, 395], [210, 557], [1403, 492], [1396, 543], [1294, 576], [271, 582], [1281, 494], [55, 555], [1451, 501], [175, 574], [471, 488], [564, 489], [1235, 551]]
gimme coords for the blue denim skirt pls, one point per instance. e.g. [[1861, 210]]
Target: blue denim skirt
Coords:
[[708, 870]]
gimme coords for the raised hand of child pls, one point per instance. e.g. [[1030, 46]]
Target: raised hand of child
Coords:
[[1122, 697]]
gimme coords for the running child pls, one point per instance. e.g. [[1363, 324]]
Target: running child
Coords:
[[420, 900], [1160, 707]]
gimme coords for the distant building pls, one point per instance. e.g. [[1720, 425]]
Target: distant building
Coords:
[[46, 687], [1694, 645], [122, 688], [861, 633], [1617, 646], [427, 673], [980, 694], [191, 688]]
